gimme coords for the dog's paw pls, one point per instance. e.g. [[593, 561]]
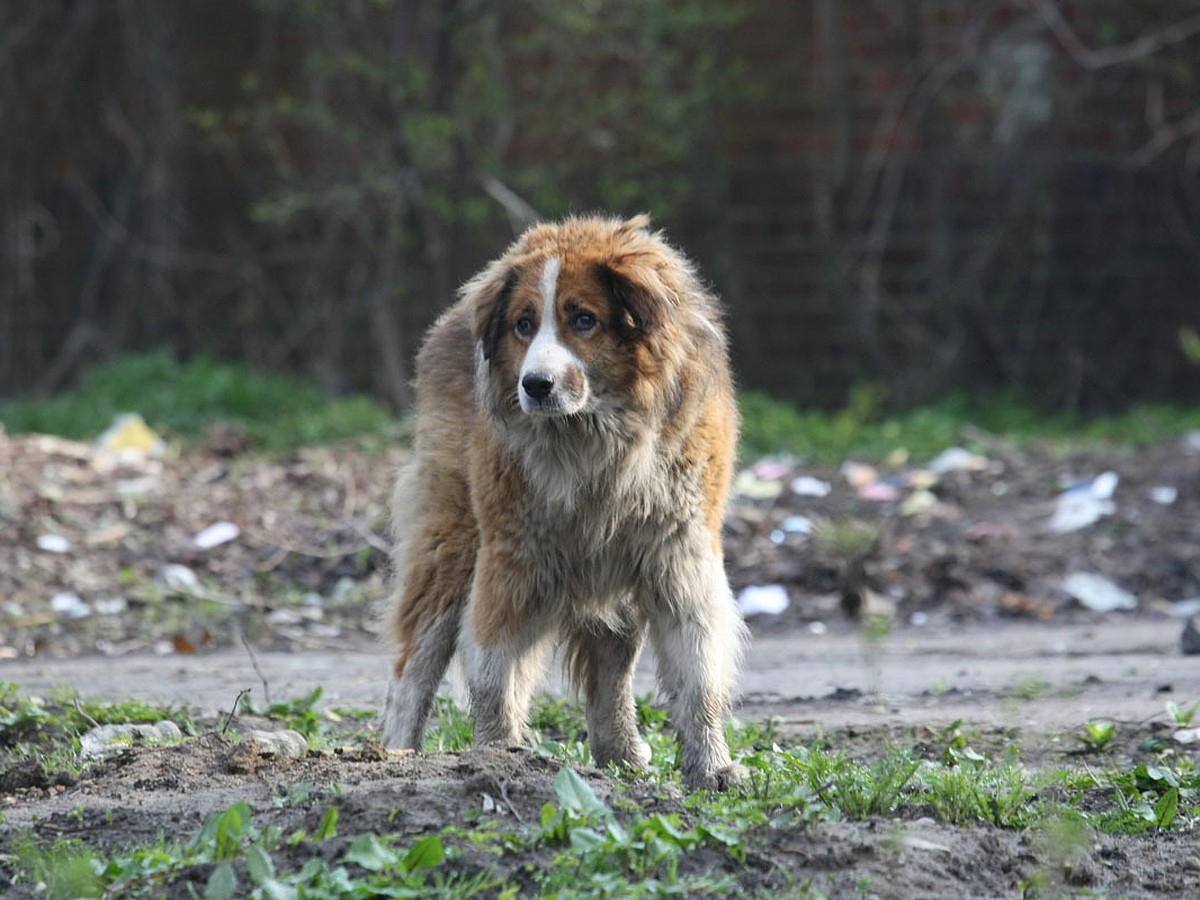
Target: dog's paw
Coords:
[[723, 779]]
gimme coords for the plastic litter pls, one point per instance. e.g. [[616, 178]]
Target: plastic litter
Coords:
[[918, 501], [129, 437], [215, 535], [879, 491], [1084, 504], [1097, 593], [758, 599], [178, 579], [797, 525], [1185, 608], [773, 468], [859, 474], [920, 479], [53, 543], [69, 605], [1164, 494], [111, 606], [752, 487], [956, 459], [807, 486]]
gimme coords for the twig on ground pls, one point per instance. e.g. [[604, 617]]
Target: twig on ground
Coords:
[[233, 712], [257, 671], [503, 791], [79, 709]]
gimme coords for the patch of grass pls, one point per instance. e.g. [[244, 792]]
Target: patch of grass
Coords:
[[1150, 797], [453, 728], [1182, 715], [581, 846], [637, 858], [1097, 734], [48, 729], [866, 430], [276, 412]]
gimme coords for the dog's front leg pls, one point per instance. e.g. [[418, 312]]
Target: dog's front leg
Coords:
[[602, 661], [505, 646], [698, 638]]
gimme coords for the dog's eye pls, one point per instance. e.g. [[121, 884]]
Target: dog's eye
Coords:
[[525, 326], [583, 321]]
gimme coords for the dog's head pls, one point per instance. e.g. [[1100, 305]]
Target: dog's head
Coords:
[[573, 318]]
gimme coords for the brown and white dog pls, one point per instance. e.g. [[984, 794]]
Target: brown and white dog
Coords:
[[575, 433]]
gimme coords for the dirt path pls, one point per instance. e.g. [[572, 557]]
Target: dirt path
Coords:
[[1041, 678], [1030, 684]]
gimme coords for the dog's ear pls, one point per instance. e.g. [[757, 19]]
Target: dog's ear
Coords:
[[489, 293], [640, 295]]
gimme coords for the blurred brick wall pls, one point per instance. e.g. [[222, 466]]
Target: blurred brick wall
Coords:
[[938, 194]]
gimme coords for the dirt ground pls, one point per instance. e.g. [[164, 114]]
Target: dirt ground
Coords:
[[970, 581]]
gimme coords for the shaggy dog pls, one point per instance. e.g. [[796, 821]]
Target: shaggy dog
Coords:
[[574, 444]]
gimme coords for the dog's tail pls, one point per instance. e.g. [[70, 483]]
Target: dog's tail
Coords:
[[403, 529]]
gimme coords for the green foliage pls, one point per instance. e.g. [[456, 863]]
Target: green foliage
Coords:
[[851, 789], [1182, 716], [48, 729], [454, 729], [1097, 734], [1151, 797], [68, 869], [641, 856], [585, 847], [277, 413], [1189, 342], [299, 714], [865, 431]]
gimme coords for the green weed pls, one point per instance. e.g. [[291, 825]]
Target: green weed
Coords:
[[299, 714], [1182, 716], [865, 428], [582, 846], [276, 412], [47, 729], [1097, 734], [454, 729], [1151, 797], [641, 857]]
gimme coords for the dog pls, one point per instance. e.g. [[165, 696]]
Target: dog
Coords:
[[575, 438]]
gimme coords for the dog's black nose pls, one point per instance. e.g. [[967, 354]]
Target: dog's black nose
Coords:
[[537, 386]]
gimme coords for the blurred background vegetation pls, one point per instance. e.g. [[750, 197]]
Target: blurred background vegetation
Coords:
[[902, 202]]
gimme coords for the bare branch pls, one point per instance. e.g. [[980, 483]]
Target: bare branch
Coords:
[[521, 214], [1145, 46], [1164, 136]]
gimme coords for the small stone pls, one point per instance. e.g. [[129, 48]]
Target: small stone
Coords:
[[1189, 641], [286, 743], [105, 740]]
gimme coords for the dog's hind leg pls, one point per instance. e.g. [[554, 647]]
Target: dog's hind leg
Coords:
[[435, 554], [414, 685], [601, 661]]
